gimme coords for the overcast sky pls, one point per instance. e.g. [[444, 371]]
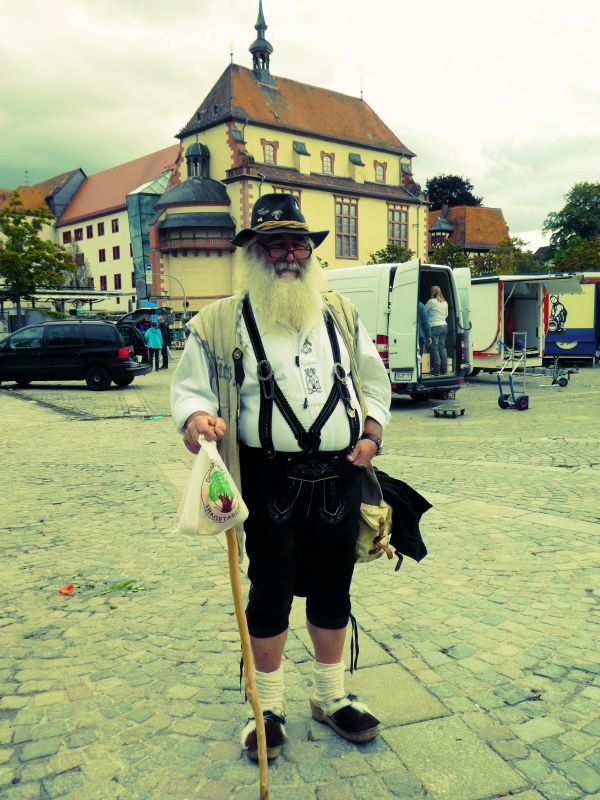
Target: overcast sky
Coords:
[[505, 94]]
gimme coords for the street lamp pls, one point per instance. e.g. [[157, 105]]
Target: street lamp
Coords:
[[172, 277]]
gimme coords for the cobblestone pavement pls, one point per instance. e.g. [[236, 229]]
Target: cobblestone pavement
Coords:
[[482, 661]]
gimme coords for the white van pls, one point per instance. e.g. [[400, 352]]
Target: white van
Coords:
[[386, 296], [507, 304]]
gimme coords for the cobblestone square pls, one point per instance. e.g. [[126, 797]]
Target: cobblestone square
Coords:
[[482, 661]]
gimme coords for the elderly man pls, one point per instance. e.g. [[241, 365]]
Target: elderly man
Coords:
[[286, 377]]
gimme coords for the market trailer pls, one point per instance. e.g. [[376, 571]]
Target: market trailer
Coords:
[[505, 304]]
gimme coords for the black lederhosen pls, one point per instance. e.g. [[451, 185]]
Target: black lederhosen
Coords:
[[300, 536], [304, 508]]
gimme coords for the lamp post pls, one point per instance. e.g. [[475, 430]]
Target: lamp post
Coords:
[[172, 277]]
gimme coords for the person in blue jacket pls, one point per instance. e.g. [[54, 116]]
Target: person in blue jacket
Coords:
[[424, 328], [154, 340]]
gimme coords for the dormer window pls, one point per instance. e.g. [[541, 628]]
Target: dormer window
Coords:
[[300, 148], [269, 151], [380, 171], [327, 160]]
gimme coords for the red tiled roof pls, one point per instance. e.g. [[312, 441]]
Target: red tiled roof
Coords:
[[33, 197], [474, 226], [295, 107], [105, 191]]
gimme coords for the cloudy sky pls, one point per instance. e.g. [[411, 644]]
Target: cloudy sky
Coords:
[[505, 94]]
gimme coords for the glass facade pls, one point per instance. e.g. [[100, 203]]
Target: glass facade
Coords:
[[140, 213]]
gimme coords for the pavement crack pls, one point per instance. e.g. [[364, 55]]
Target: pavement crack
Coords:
[[66, 412]]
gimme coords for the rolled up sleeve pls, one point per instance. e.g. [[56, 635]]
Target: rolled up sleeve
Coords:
[[374, 378], [190, 388]]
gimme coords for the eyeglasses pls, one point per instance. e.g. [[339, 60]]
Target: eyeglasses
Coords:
[[278, 251]]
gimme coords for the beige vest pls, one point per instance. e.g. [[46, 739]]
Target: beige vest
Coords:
[[218, 327]]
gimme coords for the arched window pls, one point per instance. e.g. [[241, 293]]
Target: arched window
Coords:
[[269, 154], [270, 148], [327, 165], [380, 171]]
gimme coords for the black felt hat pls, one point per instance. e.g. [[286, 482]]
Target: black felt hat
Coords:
[[274, 214]]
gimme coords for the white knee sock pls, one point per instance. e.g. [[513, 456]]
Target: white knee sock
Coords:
[[329, 682], [270, 690], [269, 686]]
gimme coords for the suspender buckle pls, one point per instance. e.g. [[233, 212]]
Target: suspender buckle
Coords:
[[264, 370], [342, 378], [264, 373], [340, 372]]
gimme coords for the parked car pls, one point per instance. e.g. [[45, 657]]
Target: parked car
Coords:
[[93, 351], [135, 341], [128, 325]]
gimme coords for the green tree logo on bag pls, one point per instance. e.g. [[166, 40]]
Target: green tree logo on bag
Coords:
[[219, 499], [220, 491]]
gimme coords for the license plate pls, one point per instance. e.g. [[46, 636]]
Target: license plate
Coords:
[[402, 375]]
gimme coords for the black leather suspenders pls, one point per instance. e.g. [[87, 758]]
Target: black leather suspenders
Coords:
[[270, 393]]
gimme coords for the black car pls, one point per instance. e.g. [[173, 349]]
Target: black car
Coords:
[[93, 351], [129, 327], [134, 340]]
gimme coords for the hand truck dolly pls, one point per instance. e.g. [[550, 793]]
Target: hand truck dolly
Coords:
[[515, 362]]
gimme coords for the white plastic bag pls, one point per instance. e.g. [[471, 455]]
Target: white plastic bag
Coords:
[[211, 502]]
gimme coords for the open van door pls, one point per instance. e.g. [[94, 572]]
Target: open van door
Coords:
[[462, 278], [403, 323]]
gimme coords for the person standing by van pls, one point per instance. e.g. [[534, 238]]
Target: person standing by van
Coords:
[[423, 327], [166, 341], [437, 313], [154, 340]]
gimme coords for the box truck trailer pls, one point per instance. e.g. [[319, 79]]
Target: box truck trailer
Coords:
[[387, 296], [505, 304], [574, 323]]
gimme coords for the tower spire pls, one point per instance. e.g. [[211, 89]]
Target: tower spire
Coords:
[[261, 50]]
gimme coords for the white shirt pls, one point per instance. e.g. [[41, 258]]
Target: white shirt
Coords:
[[437, 312], [303, 367]]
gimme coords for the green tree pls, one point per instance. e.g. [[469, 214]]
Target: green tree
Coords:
[[27, 262], [508, 258], [450, 190], [79, 273], [579, 218], [449, 254], [391, 254], [580, 255]]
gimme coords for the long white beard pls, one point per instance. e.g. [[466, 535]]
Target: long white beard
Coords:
[[281, 299]]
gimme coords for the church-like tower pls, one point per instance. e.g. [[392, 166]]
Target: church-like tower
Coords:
[[261, 51]]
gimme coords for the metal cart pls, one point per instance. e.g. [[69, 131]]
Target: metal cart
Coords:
[[514, 367], [560, 375]]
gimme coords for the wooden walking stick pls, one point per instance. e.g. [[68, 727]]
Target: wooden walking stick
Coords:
[[249, 676]]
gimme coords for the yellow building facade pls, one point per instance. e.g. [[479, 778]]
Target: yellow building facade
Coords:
[[256, 133]]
